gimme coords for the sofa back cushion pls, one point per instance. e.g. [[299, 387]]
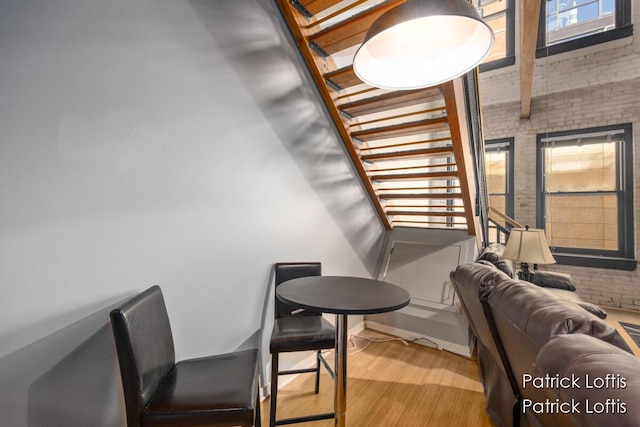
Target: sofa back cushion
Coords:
[[493, 253], [474, 282], [541, 315]]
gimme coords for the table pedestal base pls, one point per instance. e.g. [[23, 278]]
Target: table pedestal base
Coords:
[[340, 403]]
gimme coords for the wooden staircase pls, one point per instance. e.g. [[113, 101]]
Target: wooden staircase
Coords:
[[411, 148]]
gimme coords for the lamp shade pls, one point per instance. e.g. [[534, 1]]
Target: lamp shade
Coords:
[[528, 245], [422, 43]]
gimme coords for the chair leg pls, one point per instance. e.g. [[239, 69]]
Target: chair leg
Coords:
[[258, 415], [274, 390], [317, 371]]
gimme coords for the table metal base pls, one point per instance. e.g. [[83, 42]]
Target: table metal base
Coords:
[[340, 403]]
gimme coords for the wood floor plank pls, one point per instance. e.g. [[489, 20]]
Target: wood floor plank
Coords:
[[390, 384], [617, 315]]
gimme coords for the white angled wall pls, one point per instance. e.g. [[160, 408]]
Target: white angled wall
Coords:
[[145, 142]]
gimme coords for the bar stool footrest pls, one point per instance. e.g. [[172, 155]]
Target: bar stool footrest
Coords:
[[294, 420], [297, 371]]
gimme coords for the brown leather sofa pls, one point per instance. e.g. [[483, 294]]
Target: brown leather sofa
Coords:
[[525, 367]]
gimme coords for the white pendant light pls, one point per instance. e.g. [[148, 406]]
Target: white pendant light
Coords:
[[423, 43]]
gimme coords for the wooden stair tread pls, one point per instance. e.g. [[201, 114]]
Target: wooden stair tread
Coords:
[[451, 196], [414, 221], [413, 176], [402, 129], [343, 78], [389, 101], [351, 31], [419, 152], [317, 6], [426, 213]]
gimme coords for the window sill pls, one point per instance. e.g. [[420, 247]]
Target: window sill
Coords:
[[582, 42], [498, 63], [612, 263]]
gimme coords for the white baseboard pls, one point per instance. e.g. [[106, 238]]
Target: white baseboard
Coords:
[[422, 339]]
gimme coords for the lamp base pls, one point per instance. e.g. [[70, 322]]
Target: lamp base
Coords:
[[526, 274]]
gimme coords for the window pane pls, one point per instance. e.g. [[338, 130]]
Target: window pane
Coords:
[[498, 202], [572, 19], [577, 15], [498, 14], [585, 197], [586, 222], [588, 11], [590, 167], [608, 7], [498, 24], [495, 164], [489, 7]]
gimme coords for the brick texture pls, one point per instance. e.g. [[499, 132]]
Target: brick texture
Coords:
[[594, 86]]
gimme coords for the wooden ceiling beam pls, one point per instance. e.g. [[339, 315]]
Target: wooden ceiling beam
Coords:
[[531, 11]]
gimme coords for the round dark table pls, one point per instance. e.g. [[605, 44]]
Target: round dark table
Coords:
[[342, 296]]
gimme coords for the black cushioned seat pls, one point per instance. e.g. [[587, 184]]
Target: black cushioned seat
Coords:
[[298, 330], [301, 334], [219, 390]]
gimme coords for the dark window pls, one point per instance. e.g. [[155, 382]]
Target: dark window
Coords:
[[585, 195], [572, 24]]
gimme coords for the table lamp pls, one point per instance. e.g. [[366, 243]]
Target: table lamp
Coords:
[[528, 246]]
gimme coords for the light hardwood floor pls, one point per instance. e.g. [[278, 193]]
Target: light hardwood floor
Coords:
[[390, 384]]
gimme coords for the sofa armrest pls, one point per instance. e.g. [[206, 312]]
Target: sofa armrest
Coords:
[[573, 297], [605, 377], [551, 279]]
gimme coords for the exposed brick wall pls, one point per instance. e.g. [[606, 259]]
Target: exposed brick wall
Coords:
[[595, 86]]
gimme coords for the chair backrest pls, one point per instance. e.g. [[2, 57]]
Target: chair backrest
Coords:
[[145, 348], [293, 270]]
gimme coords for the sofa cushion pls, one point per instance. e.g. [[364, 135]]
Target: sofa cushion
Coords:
[[592, 362], [594, 309], [575, 298], [478, 278], [551, 279], [493, 254], [541, 315]]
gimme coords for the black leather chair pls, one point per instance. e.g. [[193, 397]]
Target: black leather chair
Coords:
[[219, 390], [298, 330]]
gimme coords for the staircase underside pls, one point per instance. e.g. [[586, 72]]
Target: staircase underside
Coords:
[[410, 148]]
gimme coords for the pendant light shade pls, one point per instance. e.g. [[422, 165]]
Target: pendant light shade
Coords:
[[423, 43]]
